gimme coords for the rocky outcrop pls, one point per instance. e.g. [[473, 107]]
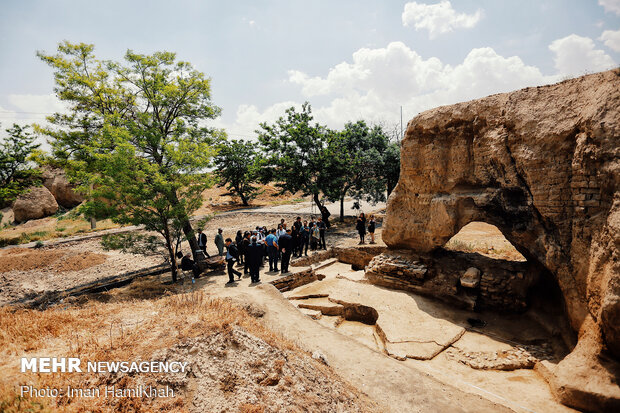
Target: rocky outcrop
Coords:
[[36, 202], [55, 180], [359, 256], [543, 165]]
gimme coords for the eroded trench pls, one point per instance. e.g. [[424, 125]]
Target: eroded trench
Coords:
[[463, 311]]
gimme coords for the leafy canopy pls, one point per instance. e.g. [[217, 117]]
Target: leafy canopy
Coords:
[[238, 167], [364, 162], [15, 173], [134, 138], [297, 154]]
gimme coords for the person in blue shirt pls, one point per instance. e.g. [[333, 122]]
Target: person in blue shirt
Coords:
[[272, 250]]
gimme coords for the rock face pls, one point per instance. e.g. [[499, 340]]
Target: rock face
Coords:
[[543, 165], [36, 203], [55, 180], [494, 285]]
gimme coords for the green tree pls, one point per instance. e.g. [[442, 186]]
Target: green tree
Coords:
[[238, 167], [15, 173], [391, 166], [297, 154], [362, 164], [134, 138]]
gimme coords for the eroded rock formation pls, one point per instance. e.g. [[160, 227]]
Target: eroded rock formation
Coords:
[[543, 165], [55, 180], [35, 203]]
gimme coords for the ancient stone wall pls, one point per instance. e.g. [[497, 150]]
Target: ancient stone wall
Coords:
[[501, 286], [543, 165]]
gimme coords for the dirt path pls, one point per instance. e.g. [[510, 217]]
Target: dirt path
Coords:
[[396, 386]]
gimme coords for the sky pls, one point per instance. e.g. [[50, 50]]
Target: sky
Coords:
[[351, 59]]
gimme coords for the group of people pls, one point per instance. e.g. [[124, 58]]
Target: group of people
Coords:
[[252, 247], [361, 228]]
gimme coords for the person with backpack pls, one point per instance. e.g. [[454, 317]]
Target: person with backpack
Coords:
[[232, 256]]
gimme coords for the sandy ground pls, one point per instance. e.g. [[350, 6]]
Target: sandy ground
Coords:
[[421, 327], [27, 272]]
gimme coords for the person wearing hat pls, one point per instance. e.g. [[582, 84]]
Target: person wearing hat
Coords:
[[219, 242]]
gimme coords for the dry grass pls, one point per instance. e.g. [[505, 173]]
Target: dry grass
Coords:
[[112, 331], [25, 259], [70, 224], [50, 228]]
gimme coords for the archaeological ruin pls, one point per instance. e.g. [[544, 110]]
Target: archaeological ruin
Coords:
[[542, 164]]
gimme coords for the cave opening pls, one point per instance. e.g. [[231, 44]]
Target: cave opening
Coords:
[[509, 281], [485, 239]]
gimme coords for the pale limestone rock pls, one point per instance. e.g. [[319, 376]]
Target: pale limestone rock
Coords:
[[543, 165], [471, 278]]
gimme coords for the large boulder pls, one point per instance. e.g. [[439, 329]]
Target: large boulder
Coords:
[[55, 180], [543, 165], [37, 202]]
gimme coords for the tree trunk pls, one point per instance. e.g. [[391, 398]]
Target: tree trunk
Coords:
[[324, 211], [342, 208], [173, 260], [93, 223], [244, 200], [191, 238], [187, 230]]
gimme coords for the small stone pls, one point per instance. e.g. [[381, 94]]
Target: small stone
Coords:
[[317, 355]]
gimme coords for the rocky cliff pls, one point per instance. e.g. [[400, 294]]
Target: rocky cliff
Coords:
[[543, 165]]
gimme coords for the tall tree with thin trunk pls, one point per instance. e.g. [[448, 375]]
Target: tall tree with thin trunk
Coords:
[[16, 175], [134, 136], [363, 164], [238, 167], [296, 152]]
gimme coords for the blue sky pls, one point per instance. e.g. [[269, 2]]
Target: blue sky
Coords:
[[350, 59]]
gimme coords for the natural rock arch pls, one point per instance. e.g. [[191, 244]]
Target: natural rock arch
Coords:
[[541, 164]]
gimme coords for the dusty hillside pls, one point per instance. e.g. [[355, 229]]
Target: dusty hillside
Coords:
[[235, 363]]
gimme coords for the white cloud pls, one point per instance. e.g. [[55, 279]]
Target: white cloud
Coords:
[[250, 22], [37, 104], [611, 5], [438, 18], [611, 39], [28, 109], [7, 119], [248, 118], [378, 81], [575, 55]]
